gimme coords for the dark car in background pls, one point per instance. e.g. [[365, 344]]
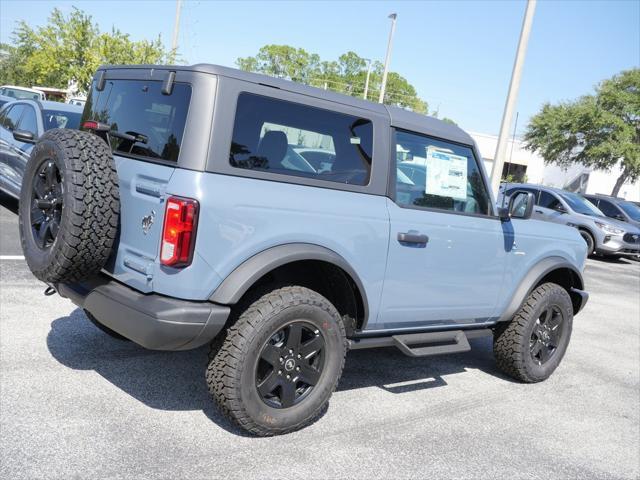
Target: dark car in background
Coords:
[[22, 122], [617, 208]]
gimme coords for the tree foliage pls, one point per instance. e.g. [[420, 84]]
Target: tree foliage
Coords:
[[599, 131], [68, 50], [346, 75]]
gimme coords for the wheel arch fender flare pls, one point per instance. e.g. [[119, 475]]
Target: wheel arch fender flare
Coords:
[[240, 280], [533, 278]]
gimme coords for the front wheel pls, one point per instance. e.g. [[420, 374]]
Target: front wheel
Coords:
[[279, 363], [530, 347]]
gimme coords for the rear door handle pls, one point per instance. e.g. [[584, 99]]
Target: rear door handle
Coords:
[[414, 238], [539, 211]]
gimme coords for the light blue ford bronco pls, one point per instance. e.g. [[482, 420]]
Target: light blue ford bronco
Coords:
[[284, 225]]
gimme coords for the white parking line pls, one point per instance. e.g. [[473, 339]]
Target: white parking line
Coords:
[[11, 257]]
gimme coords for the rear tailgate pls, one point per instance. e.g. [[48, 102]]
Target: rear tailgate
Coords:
[[142, 192], [153, 128]]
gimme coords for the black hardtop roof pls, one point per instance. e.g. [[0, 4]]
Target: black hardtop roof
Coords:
[[399, 117]]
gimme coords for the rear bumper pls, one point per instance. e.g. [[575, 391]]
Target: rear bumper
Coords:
[[151, 320]]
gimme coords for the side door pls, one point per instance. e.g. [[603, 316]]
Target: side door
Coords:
[[447, 250], [549, 208], [10, 121]]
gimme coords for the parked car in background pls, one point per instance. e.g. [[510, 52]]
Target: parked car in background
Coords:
[[604, 236], [21, 93], [22, 122], [617, 208]]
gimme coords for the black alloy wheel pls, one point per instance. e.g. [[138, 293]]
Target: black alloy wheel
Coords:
[[46, 203], [546, 334], [290, 364]]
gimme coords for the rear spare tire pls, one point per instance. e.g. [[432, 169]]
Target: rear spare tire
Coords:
[[69, 206]]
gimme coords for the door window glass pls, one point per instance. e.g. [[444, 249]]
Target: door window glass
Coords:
[[547, 200], [608, 208], [12, 117], [444, 175], [28, 121], [278, 136]]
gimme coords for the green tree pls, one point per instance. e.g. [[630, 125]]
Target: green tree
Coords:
[[346, 75], [599, 131], [68, 50]]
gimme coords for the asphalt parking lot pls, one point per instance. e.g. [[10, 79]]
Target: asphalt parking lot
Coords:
[[75, 403]]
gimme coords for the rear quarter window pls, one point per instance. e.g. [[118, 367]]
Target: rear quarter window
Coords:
[[138, 108], [275, 136]]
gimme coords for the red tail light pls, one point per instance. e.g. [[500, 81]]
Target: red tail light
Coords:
[[179, 232]]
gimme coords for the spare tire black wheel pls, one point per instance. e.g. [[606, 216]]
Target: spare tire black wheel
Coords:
[[69, 206]]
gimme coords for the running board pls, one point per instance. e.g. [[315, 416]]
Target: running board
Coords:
[[430, 343]]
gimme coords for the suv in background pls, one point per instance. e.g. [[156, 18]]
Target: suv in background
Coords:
[[22, 122], [617, 208], [189, 211], [604, 236]]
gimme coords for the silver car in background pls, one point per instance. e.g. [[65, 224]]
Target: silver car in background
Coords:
[[604, 236]]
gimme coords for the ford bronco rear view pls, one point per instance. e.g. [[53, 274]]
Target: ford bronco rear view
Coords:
[[283, 225]]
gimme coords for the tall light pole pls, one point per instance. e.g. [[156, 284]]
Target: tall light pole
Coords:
[[176, 29], [366, 83], [387, 59], [512, 96]]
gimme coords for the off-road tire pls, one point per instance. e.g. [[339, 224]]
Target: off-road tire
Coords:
[[88, 222], [232, 361], [107, 330], [511, 346]]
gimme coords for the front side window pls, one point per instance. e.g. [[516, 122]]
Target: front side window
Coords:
[[143, 121], [12, 117], [28, 122], [609, 209], [548, 200], [288, 138], [443, 175]]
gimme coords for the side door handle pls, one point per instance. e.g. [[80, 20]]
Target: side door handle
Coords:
[[539, 211], [413, 238]]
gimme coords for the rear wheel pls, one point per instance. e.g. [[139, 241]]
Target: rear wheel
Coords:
[[530, 347], [279, 363]]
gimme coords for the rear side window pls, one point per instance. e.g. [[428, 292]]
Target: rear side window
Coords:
[[288, 138], [138, 108]]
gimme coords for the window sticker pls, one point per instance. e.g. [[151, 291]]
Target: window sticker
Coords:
[[447, 175]]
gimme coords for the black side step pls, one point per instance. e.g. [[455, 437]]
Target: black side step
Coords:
[[445, 342], [432, 343]]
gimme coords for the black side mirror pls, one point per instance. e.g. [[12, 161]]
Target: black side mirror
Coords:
[[559, 208], [24, 136], [520, 206]]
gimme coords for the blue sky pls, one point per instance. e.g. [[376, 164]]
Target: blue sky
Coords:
[[458, 54]]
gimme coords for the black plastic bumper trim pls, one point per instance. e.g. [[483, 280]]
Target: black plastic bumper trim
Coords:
[[154, 321]]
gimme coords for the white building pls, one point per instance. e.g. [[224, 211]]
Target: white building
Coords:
[[527, 166]]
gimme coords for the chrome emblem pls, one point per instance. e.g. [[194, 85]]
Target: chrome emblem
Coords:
[[289, 365], [147, 221]]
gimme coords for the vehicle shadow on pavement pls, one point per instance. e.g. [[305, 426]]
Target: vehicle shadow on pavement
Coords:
[[175, 380], [9, 203]]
